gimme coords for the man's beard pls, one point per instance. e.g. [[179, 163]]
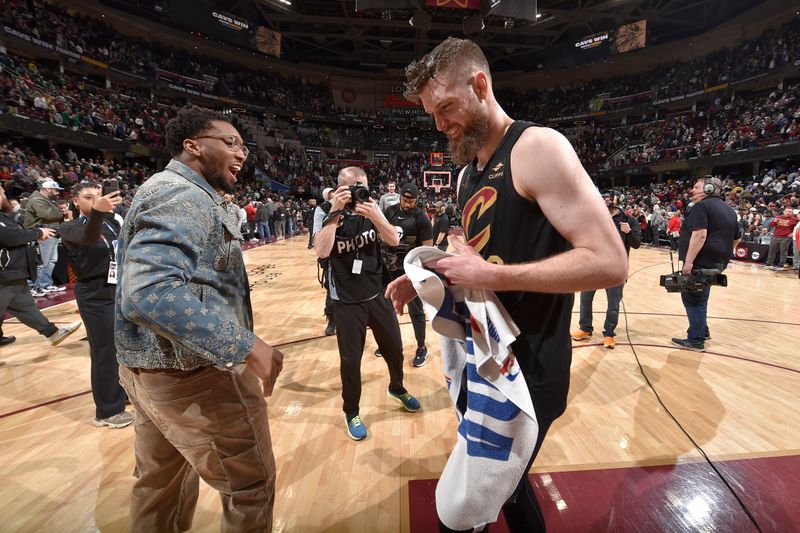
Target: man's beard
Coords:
[[474, 134], [219, 182], [227, 186]]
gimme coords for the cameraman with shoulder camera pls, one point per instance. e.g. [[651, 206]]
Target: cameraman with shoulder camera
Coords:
[[415, 230], [350, 237], [708, 236]]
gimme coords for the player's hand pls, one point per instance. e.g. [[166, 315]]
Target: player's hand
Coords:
[[368, 209], [467, 269], [340, 198], [46, 233], [624, 227], [107, 203], [266, 362], [400, 292]]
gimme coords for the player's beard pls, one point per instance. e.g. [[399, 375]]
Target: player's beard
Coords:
[[464, 149]]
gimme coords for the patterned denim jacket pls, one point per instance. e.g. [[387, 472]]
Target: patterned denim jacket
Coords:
[[183, 298]]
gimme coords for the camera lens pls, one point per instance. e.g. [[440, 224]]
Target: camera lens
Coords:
[[362, 194]]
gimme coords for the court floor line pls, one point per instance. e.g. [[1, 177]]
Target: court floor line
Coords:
[[671, 347], [574, 347], [45, 404]]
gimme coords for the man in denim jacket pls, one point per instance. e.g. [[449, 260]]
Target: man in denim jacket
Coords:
[[189, 359]]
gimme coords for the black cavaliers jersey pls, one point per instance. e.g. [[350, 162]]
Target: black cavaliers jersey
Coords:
[[506, 228]]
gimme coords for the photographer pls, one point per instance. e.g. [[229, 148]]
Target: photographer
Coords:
[[349, 236], [90, 240], [17, 264], [630, 232], [415, 230], [708, 236]]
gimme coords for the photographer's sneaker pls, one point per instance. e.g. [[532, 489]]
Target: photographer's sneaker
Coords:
[[409, 403], [421, 357], [38, 293], [609, 343], [62, 333], [356, 429], [694, 346], [330, 329], [119, 420], [54, 288], [580, 335]]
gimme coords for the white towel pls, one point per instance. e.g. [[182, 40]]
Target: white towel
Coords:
[[497, 424]]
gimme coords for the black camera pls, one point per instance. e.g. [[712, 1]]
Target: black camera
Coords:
[[358, 193], [699, 279]]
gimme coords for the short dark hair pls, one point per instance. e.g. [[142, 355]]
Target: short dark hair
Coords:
[[458, 53], [86, 184], [189, 123]]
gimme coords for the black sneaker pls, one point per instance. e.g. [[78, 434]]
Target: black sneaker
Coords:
[[7, 340], [694, 346], [330, 330], [708, 334], [378, 353], [421, 357]]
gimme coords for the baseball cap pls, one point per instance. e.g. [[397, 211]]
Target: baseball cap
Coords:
[[50, 184], [409, 190]]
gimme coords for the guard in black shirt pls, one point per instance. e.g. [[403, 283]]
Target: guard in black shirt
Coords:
[[414, 228], [350, 236], [708, 237], [90, 240]]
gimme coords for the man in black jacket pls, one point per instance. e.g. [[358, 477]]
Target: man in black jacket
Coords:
[[631, 234], [17, 264]]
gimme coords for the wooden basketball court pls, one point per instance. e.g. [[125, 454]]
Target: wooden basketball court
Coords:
[[739, 400]]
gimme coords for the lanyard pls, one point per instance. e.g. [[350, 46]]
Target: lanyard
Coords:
[[109, 245]]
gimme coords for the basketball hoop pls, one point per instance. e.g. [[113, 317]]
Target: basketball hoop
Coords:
[[436, 185]]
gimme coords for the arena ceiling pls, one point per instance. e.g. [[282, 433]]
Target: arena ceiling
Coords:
[[333, 33]]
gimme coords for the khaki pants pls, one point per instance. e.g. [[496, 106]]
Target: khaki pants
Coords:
[[208, 423]]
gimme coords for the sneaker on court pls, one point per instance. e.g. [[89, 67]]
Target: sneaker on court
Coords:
[[378, 353], [119, 420], [410, 403], [609, 342], [54, 288], [356, 429], [694, 346], [330, 329], [421, 357], [708, 334], [38, 293], [7, 340], [62, 333], [580, 335]]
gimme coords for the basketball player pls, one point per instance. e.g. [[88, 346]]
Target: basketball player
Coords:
[[536, 230]]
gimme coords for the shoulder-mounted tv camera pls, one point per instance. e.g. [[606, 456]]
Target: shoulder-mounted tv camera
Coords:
[[699, 279]]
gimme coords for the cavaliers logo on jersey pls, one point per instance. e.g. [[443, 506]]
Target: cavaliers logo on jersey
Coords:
[[477, 217]]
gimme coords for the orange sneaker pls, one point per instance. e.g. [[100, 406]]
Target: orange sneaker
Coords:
[[580, 335], [609, 342]]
